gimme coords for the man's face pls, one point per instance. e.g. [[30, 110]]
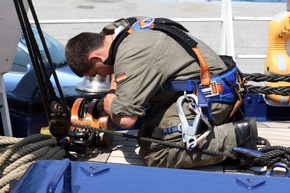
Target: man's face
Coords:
[[100, 69]]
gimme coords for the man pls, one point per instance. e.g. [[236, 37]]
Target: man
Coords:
[[142, 63]]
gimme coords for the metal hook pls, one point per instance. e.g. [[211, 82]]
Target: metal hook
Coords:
[[189, 132]]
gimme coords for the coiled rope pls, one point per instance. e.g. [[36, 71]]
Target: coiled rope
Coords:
[[18, 157], [272, 155], [257, 77]]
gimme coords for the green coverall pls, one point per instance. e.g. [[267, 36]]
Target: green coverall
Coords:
[[144, 61]]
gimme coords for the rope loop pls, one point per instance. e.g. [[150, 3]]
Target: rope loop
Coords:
[[17, 158], [272, 155]]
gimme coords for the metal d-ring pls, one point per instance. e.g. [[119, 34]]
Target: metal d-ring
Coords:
[[147, 25]]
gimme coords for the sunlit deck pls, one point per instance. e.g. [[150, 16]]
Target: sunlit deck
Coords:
[[125, 151]]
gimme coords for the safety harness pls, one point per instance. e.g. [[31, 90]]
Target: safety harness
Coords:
[[224, 87]]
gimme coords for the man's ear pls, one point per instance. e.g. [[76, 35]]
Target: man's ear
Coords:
[[94, 57]]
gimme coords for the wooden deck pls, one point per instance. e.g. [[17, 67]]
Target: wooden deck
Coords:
[[278, 133], [125, 151]]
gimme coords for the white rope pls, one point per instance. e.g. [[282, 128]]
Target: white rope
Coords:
[[25, 151]]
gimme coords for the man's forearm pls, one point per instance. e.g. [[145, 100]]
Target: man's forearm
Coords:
[[122, 121]]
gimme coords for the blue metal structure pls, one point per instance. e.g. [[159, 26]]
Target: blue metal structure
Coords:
[[255, 106], [85, 177]]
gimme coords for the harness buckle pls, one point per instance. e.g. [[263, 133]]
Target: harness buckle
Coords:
[[239, 87], [146, 23], [211, 90]]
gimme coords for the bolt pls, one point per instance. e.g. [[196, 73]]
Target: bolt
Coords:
[[93, 167], [250, 180]]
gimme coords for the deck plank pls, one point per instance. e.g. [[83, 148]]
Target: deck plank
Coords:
[[126, 160], [95, 155], [275, 124], [277, 133]]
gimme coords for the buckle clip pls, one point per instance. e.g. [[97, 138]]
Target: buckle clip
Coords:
[[212, 89], [146, 23]]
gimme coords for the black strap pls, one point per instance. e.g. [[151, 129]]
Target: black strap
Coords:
[[114, 47], [180, 36], [170, 27], [54, 105], [170, 23], [176, 32]]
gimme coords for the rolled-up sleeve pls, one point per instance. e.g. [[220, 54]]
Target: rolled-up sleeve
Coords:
[[133, 92]]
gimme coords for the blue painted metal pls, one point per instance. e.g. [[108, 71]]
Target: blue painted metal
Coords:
[[91, 177], [246, 151], [63, 171], [270, 171], [255, 106]]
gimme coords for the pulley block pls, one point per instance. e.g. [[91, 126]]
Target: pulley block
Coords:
[[86, 113]]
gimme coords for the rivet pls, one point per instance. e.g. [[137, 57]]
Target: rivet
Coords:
[[93, 167], [250, 180]]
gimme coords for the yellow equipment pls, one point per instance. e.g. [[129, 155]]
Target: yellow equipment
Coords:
[[278, 60]]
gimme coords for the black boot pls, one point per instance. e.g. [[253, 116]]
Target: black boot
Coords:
[[246, 136], [246, 133]]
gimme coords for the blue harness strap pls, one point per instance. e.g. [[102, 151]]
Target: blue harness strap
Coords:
[[189, 86], [206, 95], [173, 129], [170, 130], [227, 81], [181, 85]]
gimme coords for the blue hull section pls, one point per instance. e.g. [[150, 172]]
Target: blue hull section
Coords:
[[88, 177], [255, 106]]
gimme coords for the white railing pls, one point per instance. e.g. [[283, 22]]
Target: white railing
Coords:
[[226, 28], [251, 56], [226, 35], [266, 19]]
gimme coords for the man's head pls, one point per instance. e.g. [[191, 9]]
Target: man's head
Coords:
[[86, 52]]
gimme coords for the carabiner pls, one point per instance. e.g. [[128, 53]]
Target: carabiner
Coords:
[[188, 132]]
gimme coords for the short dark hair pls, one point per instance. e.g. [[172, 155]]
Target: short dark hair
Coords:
[[78, 49]]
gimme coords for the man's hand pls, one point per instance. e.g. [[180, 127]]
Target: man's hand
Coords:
[[121, 121], [108, 100], [100, 108]]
